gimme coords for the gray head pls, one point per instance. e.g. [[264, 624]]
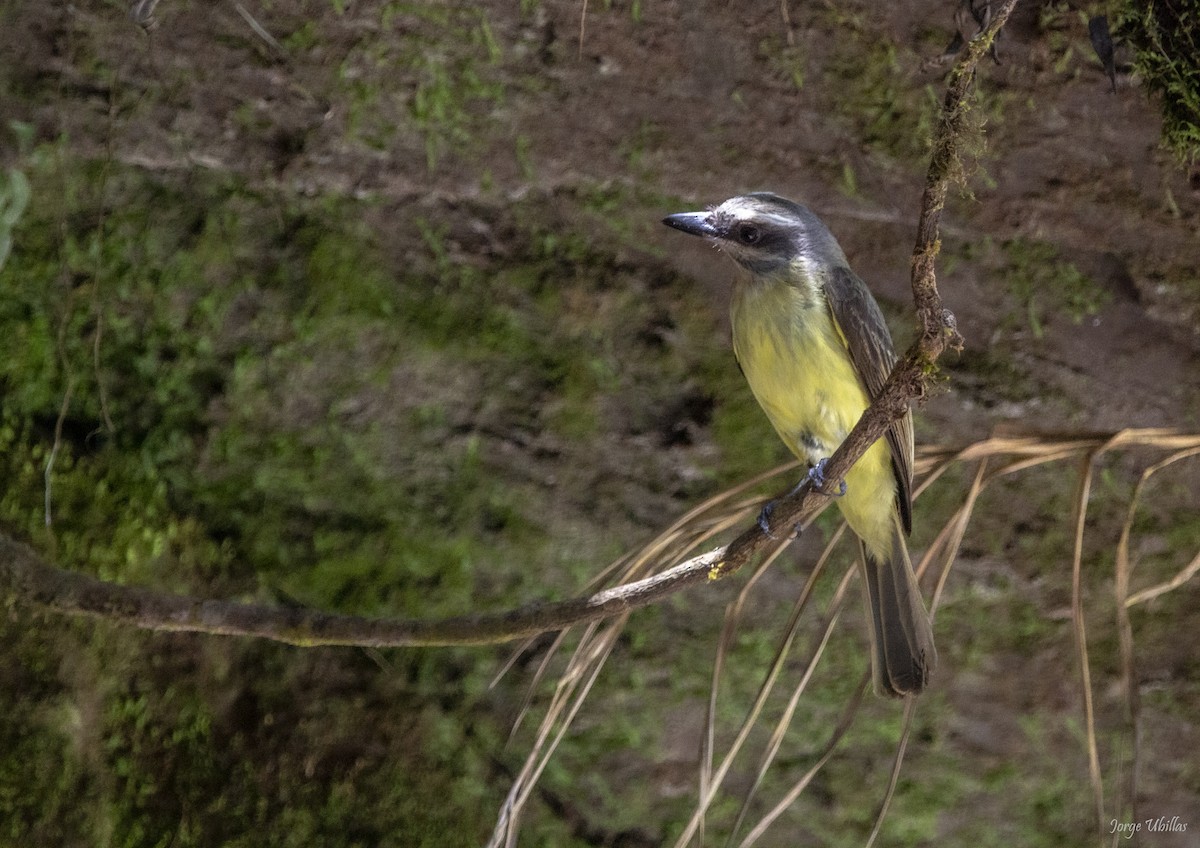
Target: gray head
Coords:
[[764, 233]]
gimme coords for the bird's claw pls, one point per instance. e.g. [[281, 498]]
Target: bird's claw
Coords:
[[816, 476], [764, 522], [764, 519]]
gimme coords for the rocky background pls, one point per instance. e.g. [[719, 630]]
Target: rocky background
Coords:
[[365, 306]]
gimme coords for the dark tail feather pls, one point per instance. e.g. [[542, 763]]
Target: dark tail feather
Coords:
[[903, 656]]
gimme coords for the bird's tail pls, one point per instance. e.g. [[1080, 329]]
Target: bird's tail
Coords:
[[903, 657]]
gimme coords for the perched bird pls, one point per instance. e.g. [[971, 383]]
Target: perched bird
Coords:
[[815, 350]]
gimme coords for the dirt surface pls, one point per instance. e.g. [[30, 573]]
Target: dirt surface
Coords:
[[683, 101], [1071, 261]]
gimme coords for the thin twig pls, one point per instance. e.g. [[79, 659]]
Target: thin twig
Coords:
[[582, 25], [48, 472], [787, 23], [259, 29], [1129, 683]]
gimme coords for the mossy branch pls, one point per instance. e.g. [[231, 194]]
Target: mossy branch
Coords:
[[30, 579]]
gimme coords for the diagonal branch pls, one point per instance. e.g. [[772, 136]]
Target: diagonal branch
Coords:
[[29, 578]]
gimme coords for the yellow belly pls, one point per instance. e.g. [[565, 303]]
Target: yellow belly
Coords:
[[800, 372]]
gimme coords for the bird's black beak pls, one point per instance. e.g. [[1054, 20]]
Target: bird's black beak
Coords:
[[693, 223]]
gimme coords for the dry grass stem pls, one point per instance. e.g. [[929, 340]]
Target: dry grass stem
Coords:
[[992, 459]]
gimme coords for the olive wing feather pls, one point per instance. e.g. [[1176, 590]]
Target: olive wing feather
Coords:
[[869, 343]]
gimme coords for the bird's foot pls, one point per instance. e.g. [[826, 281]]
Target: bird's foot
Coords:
[[815, 477], [764, 521]]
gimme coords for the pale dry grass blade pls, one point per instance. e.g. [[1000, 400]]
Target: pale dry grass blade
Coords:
[[999, 456], [260, 30], [781, 654], [1129, 687], [711, 781], [733, 616], [1182, 576], [551, 651], [505, 832], [714, 780], [1080, 632], [538, 675], [949, 538], [1030, 452], [687, 532], [843, 725], [929, 466], [708, 739], [1043, 443], [715, 516], [910, 706]]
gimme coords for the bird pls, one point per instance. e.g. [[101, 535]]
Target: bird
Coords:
[[815, 349]]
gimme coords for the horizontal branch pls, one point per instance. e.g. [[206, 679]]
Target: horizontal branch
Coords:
[[33, 580]]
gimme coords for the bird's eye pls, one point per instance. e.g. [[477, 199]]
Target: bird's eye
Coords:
[[748, 234]]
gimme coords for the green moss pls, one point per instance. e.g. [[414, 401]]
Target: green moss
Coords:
[[444, 94], [43, 774], [252, 762], [640, 147], [303, 39], [786, 61], [889, 112], [268, 401], [1044, 283], [1167, 58], [220, 351]]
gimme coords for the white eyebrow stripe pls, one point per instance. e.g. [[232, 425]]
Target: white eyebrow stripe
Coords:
[[747, 209]]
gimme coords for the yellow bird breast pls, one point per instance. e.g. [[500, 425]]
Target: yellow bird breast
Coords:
[[800, 371]]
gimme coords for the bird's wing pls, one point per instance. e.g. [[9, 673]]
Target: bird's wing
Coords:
[[867, 338]]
